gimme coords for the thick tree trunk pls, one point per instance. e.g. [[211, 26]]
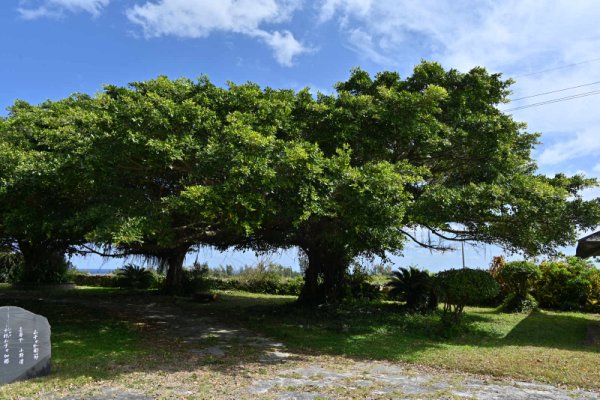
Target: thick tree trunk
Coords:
[[42, 263], [174, 280], [334, 275], [311, 293], [328, 264]]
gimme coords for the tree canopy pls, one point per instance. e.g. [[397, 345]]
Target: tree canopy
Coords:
[[159, 167]]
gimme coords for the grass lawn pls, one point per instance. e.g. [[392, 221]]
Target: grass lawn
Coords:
[[91, 344], [544, 345], [87, 343]]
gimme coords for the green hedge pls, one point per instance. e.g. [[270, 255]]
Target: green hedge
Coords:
[[568, 284], [82, 279], [263, 285], [457, 288]]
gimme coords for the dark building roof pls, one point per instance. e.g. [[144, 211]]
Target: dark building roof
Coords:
[[589, 246]]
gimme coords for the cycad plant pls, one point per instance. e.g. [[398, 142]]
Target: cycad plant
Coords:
[[415, 287], [134, 276]]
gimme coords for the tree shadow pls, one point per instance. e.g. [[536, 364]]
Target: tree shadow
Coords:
[[96, 334], [553, 330]]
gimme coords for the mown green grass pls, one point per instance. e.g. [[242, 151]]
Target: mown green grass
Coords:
[[544, 345], [87, 344], [91, 345]]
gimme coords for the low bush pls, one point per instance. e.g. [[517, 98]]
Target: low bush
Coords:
[[358, 285], [268, 285], [496, 267], [415, 287], [519, 303], [265, 278], [10, 264], [458, 287], [568, 284], [135, 277], [594, 299], [85, 279], [519, 278], [195, 279]]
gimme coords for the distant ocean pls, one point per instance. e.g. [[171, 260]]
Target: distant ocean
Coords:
[[97, 271]]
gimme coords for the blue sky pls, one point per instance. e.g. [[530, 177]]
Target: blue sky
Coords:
[[52, 48]]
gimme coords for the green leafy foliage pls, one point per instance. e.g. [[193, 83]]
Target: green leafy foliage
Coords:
[[267, 278], [135, 277], [519, 302], [104, 280], [567, 284], [519, 278], [281, 286], [156, 168], [195, 279], [496, 266], [458, 287], [11, 263], [415, 287], [359, 287]]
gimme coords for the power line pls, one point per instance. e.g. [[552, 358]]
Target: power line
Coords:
[[555, 91], [560, 67], [560, 99]]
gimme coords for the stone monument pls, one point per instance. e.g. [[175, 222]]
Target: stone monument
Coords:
[[25, 345]]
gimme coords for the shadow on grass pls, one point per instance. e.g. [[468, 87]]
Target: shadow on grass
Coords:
[[92, 338], [553, 330], [86, 341], [385, 331], [104, 333]]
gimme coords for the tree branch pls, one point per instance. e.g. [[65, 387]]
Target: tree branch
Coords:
[[425, 245]]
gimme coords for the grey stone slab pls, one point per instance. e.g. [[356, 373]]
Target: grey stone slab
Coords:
[[25, 350], [274, 357], [391, 380], [214, 351], [299, 396]]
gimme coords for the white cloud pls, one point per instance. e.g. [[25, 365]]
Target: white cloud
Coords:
[[516, 37], [362, 42], [583, 143], [200, 18], [284, 45], [355, 7], [56, 8]]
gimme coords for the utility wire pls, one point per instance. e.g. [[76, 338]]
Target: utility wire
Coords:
[[558, 100], [561, 67], [555, 91]]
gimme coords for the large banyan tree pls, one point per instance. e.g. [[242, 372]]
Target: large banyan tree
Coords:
[[159, 167]]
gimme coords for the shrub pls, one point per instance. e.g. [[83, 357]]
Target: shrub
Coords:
[[10, 266], [519, 303], [284, 286], [85, 279], [358, 286], [292, 286], [595, 293], [567, 284], [134, 276], [459, 287], [496, 266], [415, 287], [519, 278], [263, 278], [195, 279]]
